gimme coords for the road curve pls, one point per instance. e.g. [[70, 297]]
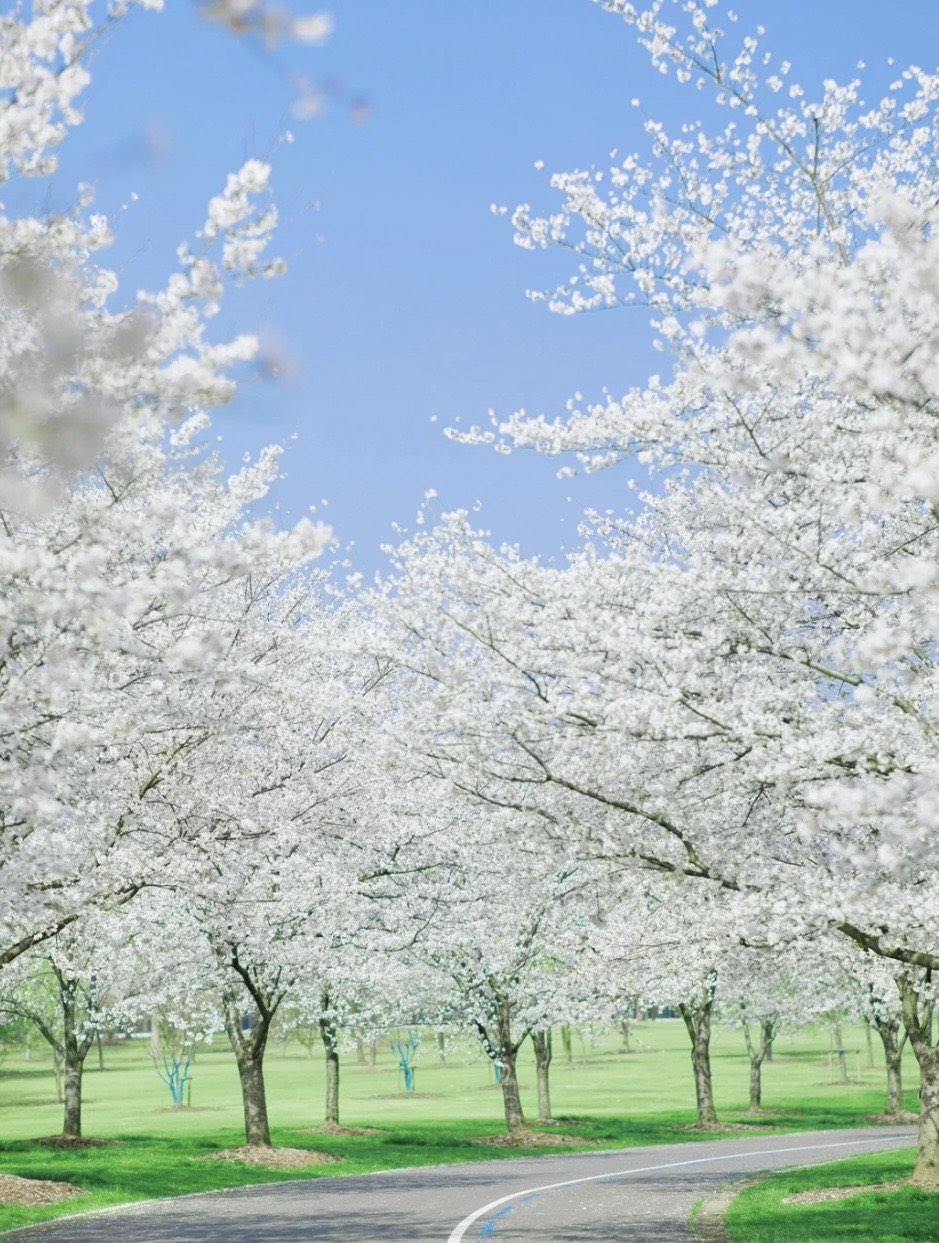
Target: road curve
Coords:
[[643, 1195]]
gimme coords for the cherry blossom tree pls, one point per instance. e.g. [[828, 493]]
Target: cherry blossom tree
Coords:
[[119, 532], [758, 640], [499, 932], [70, 990]]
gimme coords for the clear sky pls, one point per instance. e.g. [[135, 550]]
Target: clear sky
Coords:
[[405, 297]]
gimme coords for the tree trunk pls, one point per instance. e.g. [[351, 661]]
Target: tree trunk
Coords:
[[758, 1053], [503, 1051], [254, 1099], [542, 1043], [72, 1120], [756, 1087], [360, 1053], [926, 1171], [74, 1052], [442, 1047], [624, 1032], [870, 1043], [249, 1055], [57, 1071], [567, 1044], [889, 1032], [328, 1033], [894, 1086], [769, 1035], [512, 1101], [917, 1019], [697, 1017]]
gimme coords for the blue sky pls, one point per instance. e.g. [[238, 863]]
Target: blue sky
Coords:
[[405, 296]]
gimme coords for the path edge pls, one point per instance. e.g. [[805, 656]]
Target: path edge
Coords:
[[709, 1216]]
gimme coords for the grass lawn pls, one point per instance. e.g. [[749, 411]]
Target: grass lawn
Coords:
[[622, 1101], [901, 1216]]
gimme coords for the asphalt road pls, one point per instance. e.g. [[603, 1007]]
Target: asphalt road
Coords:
[[643, 1195]]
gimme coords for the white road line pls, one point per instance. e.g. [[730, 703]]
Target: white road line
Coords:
[[459, 1232]]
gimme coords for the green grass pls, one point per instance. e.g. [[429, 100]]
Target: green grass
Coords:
[[622, 1101], [902, 1216]]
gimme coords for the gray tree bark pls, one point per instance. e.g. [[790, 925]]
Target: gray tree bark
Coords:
[[758, 1052], [542, 1043], [918, 1021], [503, 1051], [328, 1033], [697, 1017], [893, 1038], [69, 1050], [254, 1100], [249, 1048], [567, 1044]]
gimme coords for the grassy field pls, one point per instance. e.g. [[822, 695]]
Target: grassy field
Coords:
[[905, 1215], [622, 1100]]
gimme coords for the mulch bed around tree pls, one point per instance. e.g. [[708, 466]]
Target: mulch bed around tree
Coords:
[[72, 1141], [272, 1158], [17, 1192], [904, 1119], [532, 1139], [824, 1195], [758, 1113]]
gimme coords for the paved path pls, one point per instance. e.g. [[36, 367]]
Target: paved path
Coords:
[[639, 1195]]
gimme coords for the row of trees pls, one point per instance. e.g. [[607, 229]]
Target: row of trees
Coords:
[[701, 749], [504, 961], [732, 683]]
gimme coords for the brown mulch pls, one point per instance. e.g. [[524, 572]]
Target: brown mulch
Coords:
[[333, 1128], [904, 1119], [824, 1195], [497, 1087], [19, 1192], [532, 1139], [72, 1141], [758, 1113], [720, 1128], [710, 1223], [272, 1158]]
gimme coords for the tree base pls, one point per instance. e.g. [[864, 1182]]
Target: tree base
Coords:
[[272, 1158], [533, 1139], [35, 1192], [73, 1141], [717, 1128], [828, 1195]]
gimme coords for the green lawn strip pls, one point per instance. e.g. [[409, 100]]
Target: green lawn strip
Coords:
[[146, 1167], [620, 1102], [906, 1215]]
